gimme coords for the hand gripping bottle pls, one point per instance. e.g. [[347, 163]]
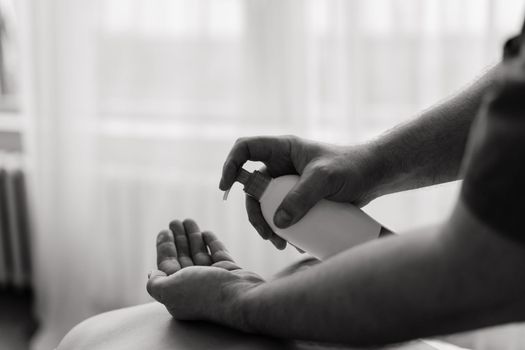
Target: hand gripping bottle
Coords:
[[327, 229]]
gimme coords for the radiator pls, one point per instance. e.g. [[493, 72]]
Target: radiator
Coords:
[[15, 251]]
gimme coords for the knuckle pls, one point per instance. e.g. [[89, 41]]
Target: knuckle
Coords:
[[254, 215], [264, 233], [230, 166], [164, 251], [324, 171], [292, 138], [252, 220], [240, 140], [221, 255], [259, 227], [251, 204], [320, 169]]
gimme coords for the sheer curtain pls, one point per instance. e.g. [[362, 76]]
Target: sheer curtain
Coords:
[[137, 102]]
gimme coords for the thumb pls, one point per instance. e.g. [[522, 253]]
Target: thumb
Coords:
[[156, 282], [309, 190]]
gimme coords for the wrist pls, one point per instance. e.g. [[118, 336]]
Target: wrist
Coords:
[[375, 170], [247, 306], [384, 171]]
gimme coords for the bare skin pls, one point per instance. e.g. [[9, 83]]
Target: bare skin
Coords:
[[461, 276], [186, 257], [467, 276], [126, 329], [185, 248]]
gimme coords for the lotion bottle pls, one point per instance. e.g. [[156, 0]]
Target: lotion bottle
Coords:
[[327, 229]]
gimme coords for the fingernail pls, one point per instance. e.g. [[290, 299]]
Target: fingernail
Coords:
[[282, 218]]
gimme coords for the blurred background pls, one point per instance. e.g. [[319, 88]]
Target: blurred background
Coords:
[[118, 114]]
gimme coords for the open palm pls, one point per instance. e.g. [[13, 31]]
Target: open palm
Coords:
[[197, 279]]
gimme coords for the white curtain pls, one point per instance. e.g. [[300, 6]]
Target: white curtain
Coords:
[[135, 104]]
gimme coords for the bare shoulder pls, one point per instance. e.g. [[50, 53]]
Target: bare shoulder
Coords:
[[150, 326], [123, 328]]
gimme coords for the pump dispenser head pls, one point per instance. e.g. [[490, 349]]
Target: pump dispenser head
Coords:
[[254, 183]]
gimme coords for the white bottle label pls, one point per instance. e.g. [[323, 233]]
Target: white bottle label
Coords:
[[327, 229]]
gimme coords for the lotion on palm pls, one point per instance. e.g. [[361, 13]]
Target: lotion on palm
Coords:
[[327, 229]]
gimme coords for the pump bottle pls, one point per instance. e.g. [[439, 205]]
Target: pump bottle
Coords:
[[327, 229]]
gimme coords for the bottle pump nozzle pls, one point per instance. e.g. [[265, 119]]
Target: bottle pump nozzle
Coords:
[[243, 176], [254, 183]]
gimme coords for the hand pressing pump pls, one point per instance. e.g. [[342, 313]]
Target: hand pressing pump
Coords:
[[327, 229]]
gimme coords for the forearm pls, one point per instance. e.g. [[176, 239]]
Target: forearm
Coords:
[[429, 149], [396, 289]]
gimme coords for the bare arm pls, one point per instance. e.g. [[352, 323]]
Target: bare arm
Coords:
[[422, 152], [462, 276], [428, 150]]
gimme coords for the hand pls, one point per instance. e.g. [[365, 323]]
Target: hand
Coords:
[[343, 174], [197, 278]]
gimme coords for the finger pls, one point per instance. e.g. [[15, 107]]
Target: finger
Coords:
[[278, 242], [253, 208], [259, 148], [301, 198], [198, 250], [155, 284], [181, 243], [218, 251], [227, 265], [167, 253]]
